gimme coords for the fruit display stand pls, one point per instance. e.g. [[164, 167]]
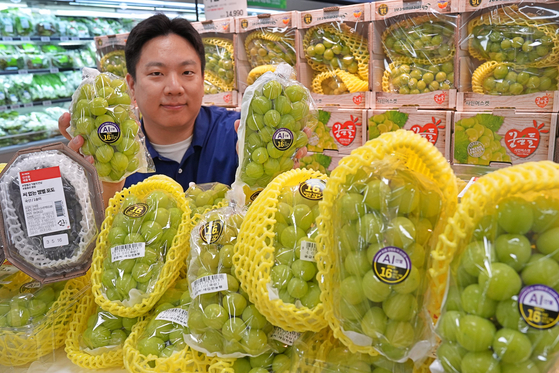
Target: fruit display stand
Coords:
[[264, 41], [500, 69], [338, 33], [430, 69], [433, 125], [219, 37], [502, 138], [338, 130]]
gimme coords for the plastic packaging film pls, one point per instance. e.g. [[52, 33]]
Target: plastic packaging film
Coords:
[[102, 115], [142, 246], [220, 64], [110, 54], [203, 197], [500, 311], [271, 46]]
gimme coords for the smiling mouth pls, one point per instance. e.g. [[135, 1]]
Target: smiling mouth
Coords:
[[173, 106]]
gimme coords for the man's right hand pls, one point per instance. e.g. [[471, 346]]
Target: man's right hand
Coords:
[[75, 143]]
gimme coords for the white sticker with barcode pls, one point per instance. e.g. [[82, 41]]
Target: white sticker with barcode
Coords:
[[44, 203], [209, 284], [308, 251], [128, 251], [284, 336], [176, 315], [55, 240]]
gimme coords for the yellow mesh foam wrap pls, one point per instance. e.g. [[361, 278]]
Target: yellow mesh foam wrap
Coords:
[[269, 36], [219, 365], [210, 76], [217, 81], [418, 155], [254, 257], [411, 22], [258, 71], [175, 258], [355, 42], [386, 78], [512, 15], [487, 192], [352, 82], [23, 347]]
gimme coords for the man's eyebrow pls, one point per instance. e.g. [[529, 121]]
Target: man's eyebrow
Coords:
[[161, 64], [188, 62]]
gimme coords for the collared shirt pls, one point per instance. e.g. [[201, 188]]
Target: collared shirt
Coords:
[[211, 157]]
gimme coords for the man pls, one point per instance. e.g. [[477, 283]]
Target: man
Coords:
[[188, 142]]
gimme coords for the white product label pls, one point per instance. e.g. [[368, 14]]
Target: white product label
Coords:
[[176, 315], [44, 203], [215, 9], [24, 22], [55, 240], [128, 251], [284, 336], [308, 251], [209, 284]]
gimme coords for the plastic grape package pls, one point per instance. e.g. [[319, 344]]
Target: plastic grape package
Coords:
[[101, 114], [275, 111], [271, 46], [514, 49], [165, 331], [501, 310], [221, 319], [220, 63], [201, 197], [110, 54], [141, 234], [384, 219], [105, 332]]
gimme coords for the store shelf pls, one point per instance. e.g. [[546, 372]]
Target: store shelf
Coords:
[[45, 38], [36, 103], [52, 70], [7, 152]]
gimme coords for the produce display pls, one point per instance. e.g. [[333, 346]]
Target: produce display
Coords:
[[221, 319], [415, 78], [275, 110], [278, 361], [202, 197], [503, 316], [220, 61], [389, 121], [101, 114], [38, 125], [270, 47], [106, 330]]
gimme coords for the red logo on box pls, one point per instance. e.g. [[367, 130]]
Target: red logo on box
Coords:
[[542, 101], [345, 133], [440, 98], [430, 131], [357, 100], [523, 144], [227, 97]]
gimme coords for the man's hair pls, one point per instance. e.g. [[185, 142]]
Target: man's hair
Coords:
[[160, 25]]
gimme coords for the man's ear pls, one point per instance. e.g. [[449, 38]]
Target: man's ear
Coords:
[[131, 86]]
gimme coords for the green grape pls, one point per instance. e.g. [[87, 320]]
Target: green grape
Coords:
[[450, 355], [480, 362], [356, 263], [401, 232], [272, 90], [548, 244], [410, 284], [254, 340], [374, 323], [525, 367], [515, 215], [477, 257], [449, 325], [374, 289], [105, 153], [351, 290], [475, 301], [297, 288], [508, 315], [400, 307], [513, 250], [475, 333], [253, 318], [546, 213], [540, 270], [400, 334], [512, 346]]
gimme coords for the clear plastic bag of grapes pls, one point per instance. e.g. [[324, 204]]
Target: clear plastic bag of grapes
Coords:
[[222, 321], [502, 305], [102, 115], [202, 197], [278, 360], [220, 62], [110, 54], [139, 239], [275, 111], [271, 46], [415, 78]]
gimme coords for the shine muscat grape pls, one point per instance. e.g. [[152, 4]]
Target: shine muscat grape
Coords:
[[201, 198], [330, 49], [219, 61], [106, 330], [415, 78]]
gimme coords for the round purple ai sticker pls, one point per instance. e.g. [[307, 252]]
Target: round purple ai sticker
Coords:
[[539, 306], [391, 265]]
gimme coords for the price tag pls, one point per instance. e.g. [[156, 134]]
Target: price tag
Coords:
[[284, 336], [25, 38], [75, 38], [128, 251], [209, 284], [3, 107], [45, 38], [47, 103], [64, 38], [23, 71], [56, 240], [29, 104], [176, 315], [215, 9], [16, 106], [54, 70], [7, 38]]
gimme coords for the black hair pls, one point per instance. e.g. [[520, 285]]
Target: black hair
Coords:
[[160, 25]]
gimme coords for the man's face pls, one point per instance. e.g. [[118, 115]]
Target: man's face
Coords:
[[169, 84]]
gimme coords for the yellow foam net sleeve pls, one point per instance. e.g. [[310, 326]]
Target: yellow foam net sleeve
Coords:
[[219, 365], [482, 72], [414, 22], [418, 155], [23, 347], [355, 42], [386, 86], [258, 71], [511, 15], [487, 192], [175, 258], [352, 82], [212, 77], [278, 37], [254, 257]]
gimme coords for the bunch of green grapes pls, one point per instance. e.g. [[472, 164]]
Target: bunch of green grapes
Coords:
[[430, 40], [205, 196], [29, 308], [140, 236], [512, 81], [333, 86], [294, 270], [482, 327], [278, 361], [384, 212], [511, 43], [269, 52], [211, 89], [101, 114], [489, 141], [328, 48], [340, 359], [414, 78], [220, 61], [325, 141], [164, 333], [115, 63], [310, 162], [274, 124], [379, 124], [105, 329], [223, 320]]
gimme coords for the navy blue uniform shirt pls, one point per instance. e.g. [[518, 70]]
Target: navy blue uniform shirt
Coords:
[[211, 157]]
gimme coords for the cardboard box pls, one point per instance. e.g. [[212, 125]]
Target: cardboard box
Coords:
[[467, 99], [385, 14], [225, 99], [522, 137], [280, 22], [356, 17], [342, 132], [433, 125]]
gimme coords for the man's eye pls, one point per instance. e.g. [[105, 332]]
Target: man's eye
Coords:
[[155, 73], [189, 72]]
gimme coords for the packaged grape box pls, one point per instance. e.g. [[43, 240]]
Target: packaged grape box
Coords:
[[333, 55], [263, 42], [503, 137], [413, 62], [508, 56], [434, 125], [110, 54], [220, 81], [340, 130]]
